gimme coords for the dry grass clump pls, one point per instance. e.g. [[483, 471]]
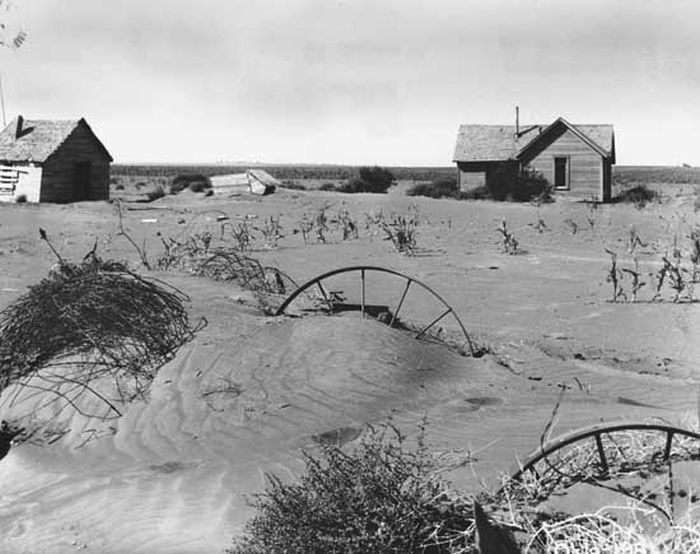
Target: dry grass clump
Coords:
[[401, 230], [89, 320], [381, 496], [441, 188], [323, 222], [678, 271], [600, 533], [640, 196]]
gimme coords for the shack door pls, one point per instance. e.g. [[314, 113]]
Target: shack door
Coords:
[[82, 181], [561, 172]]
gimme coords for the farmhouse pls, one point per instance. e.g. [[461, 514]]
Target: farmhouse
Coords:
[[52, 161], [577, 159]]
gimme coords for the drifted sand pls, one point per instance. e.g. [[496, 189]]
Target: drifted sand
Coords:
[[252, 392]]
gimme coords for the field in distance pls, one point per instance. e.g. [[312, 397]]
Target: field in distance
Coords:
[[315, 175]]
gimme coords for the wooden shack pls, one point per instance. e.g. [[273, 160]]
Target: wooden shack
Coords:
[[52, 161], [577, 159]]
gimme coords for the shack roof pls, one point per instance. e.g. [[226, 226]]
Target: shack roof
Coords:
[[504, 142], [35, 140]]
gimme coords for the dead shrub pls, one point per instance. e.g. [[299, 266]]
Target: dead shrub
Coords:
[[380, 496], [271, 231], [306, 225], [509, 243], [241, 233], [614, 277], [640, 196], [346, 223], [90, 320], [321, 224], [401, 231], [196, 256], [155, 193], [183, 181]]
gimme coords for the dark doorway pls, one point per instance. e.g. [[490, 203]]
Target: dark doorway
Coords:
[[82, 181], [561, 172]]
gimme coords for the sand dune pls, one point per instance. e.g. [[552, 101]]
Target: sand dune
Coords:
[[172, 473], [251, 392]]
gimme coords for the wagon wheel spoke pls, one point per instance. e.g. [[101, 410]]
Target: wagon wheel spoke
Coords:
[[433, 323], [325, 295], [601, 453], [362, 294], [395, 315], [667, 446]]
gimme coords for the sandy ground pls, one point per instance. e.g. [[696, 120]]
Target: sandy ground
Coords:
[[252, 392]]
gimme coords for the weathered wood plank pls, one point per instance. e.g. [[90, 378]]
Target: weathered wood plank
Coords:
[[58, 182], [586, 174]]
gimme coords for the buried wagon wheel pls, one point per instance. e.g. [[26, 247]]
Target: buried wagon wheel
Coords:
[[333, 289], [603, 452]]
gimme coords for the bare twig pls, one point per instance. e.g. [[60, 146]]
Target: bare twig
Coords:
[[141, 250]]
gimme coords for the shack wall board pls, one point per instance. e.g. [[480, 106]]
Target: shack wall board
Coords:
[[469, 180], [472, 174], [586, 171], [59, 176]]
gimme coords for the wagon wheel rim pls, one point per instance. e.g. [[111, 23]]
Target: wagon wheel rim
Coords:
[[596, 433], [317, 282]]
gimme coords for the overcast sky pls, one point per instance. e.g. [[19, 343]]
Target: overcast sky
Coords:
[[356, 81]]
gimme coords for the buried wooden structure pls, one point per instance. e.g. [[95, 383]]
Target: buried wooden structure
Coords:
[[336, 305], [255, 181], [597, 433]]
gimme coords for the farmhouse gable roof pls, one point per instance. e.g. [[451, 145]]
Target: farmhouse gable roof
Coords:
[[480, 143], [35, 140]]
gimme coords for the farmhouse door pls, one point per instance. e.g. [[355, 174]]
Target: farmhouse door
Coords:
[[561, 172], [82, 181]]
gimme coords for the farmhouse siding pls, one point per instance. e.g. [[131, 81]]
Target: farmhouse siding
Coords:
[[59, 176], [470, 180], [576, 159], [472, 175], [585, 165]]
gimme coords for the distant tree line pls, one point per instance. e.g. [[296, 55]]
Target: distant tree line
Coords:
[[282, 172]]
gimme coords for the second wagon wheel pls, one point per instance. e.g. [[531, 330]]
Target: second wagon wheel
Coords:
[[381, 293], [602, 453]]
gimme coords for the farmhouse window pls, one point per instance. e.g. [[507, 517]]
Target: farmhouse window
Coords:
[[561, 172]]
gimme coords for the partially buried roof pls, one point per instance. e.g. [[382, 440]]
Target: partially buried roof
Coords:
[[35, 140], [477, 143]]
